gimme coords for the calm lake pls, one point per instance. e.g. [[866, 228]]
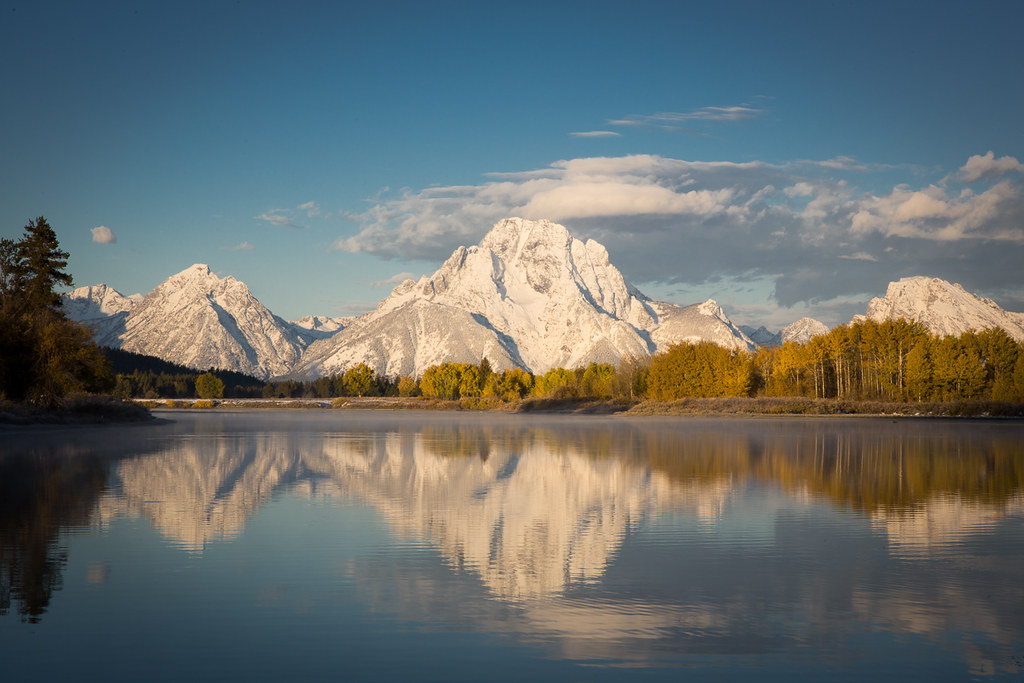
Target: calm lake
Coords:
[[336, 545]]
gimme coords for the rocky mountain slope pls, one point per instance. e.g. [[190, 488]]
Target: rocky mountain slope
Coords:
[[196, 319], [799, 332], [802, 330], [944, 308], [529, 295], [102, 308], [312, 327]]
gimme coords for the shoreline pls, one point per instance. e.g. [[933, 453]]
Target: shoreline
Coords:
[[725, 406], [85, 411], [100, 411]]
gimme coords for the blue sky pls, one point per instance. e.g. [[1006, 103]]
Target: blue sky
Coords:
[[785, 158]]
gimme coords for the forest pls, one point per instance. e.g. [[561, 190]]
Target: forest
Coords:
[[894, 361]]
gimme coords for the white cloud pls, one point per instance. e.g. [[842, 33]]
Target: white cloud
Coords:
[[986, 165], [276, 217], [590, 199], [859, 256], [244, 246], [395, 279], [802, 223], [101, 234], [595, 134], [681, 120], [932, 214], [285, 218], [801, 189]]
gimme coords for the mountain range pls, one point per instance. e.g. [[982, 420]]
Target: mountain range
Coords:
[[529, 295]]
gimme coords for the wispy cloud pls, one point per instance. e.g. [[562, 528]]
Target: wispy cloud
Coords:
[[244, 246], [682, 120], [101, 234], [278, 217], [285, 218], [595, 134], [859, 256], [396, 279], [803, 224]]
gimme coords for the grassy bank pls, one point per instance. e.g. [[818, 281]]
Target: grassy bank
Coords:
[[822, 406], [79, 410], [687, 406]]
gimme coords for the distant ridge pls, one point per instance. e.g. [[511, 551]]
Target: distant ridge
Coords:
[[126, 362], [800, 332], [944, 308]]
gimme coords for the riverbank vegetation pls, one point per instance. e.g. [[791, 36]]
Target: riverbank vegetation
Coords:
[[50, 371], [867, 367]]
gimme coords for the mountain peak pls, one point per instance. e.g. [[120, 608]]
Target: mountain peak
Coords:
[[509, 237], [197, 270], [200, 320], [711, 308], [945, 308], [803, 330], [529, 295]]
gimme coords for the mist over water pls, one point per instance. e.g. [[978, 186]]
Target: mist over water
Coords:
[[378, 545]]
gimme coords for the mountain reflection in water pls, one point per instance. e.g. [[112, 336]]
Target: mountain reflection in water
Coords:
[[640, 541]]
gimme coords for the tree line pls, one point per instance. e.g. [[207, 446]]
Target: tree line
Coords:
[[894, 360]]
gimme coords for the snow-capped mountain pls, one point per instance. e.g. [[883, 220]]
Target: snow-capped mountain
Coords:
[[313, 327], [946, 309], [529, 295], [95, 302], [800, 332], [199, 320], [695, 323], [102, 308]]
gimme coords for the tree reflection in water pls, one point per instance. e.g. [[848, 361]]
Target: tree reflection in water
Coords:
[[535, 514]]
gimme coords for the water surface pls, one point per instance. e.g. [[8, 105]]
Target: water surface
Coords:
[[395, 546]]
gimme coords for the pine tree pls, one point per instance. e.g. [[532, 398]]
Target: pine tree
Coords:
[[43, 355], [40, 264]]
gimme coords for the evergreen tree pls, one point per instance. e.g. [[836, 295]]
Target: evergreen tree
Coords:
[[39, 266], [43, 355], [9, 261], [485, 373]]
